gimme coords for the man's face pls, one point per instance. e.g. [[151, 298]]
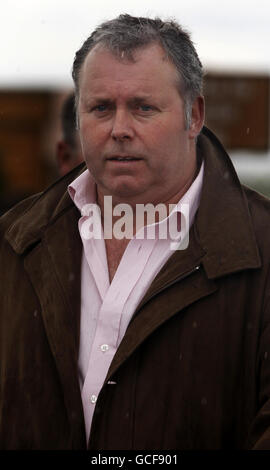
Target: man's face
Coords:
[[132, 126]]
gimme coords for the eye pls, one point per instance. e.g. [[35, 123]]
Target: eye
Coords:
[[100, 108], [145, 107]]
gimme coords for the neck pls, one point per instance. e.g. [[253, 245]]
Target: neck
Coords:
[[136, 216]]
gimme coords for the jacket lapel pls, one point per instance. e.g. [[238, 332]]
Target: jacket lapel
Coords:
[[182, 272], [224, 225]]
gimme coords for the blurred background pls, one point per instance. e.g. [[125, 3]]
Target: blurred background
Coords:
[[38, 142]]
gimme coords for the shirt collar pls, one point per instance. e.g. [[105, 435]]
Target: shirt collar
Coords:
[[82, 191], [192, 195]]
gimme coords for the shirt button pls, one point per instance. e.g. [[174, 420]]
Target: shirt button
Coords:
[[93, 398], [104, 347]]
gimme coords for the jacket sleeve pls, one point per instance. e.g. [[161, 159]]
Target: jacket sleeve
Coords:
[[259, 437]]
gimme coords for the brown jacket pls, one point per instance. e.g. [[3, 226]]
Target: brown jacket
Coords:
[[193, 369]]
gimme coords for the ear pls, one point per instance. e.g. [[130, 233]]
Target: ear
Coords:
[[63, 156], [197, 117]]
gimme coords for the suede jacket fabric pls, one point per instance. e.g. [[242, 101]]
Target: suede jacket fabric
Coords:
[[193, 369]]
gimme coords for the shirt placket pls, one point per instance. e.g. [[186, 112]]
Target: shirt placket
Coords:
[[107, 335]]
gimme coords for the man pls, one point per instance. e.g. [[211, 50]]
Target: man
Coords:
[[68, 147], [126, 343]]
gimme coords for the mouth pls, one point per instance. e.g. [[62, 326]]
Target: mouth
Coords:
[[123, 159]]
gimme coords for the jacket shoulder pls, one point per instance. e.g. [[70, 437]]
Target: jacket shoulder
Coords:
[[259, 209], [259, 204], [36, 211], [9, 217]]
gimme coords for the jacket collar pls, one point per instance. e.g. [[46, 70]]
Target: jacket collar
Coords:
[[223, 226], [45, 210]]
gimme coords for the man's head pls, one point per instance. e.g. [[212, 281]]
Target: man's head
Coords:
[[138, 89], [68, 148], [124, 34]]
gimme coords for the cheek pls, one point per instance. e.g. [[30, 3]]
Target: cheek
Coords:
[[164, 141], [92, 133], [165, 131], [152, 137]]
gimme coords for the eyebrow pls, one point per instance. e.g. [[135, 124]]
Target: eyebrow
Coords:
[[140, 99], [92, 100], [100, 99]]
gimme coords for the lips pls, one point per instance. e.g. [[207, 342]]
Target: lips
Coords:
[[124, 158]]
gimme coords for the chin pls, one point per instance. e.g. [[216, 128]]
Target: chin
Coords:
[[126, 193]]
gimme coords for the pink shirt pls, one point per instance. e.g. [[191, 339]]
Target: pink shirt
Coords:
[[106, 309]]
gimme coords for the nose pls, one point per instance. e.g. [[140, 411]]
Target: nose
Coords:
[[122, 127]]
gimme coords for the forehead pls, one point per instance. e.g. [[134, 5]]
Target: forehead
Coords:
[[148, 67]]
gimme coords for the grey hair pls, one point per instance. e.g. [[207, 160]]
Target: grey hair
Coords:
[[126, 33]]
